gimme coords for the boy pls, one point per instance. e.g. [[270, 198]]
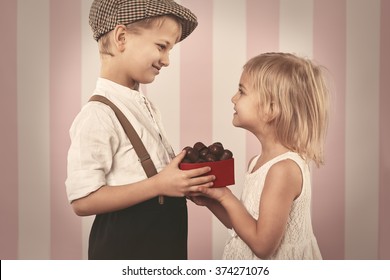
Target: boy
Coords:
[[105, 176]]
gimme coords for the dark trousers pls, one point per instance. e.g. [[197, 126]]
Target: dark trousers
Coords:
[[146, 231]]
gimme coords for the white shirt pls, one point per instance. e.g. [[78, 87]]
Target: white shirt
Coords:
[[100, 152]]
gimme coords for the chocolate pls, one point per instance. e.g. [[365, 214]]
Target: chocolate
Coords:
[[218, 143], [211, 157], [199, 146], [216, 149], [201, 153], [191, 154], [187, 148], [226, 155]]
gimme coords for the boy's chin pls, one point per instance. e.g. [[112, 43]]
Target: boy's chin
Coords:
[[148, 80]]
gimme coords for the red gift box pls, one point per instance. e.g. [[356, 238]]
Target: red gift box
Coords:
[[222, 169]]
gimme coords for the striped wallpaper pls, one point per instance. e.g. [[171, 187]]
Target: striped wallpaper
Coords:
[[49, 67]]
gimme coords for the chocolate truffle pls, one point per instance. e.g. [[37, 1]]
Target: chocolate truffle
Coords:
[[226, 155]]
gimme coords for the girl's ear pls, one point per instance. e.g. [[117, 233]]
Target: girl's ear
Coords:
[[120, 37], [273, 112]]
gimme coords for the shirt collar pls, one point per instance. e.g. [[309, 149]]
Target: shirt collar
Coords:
[[106, 85]]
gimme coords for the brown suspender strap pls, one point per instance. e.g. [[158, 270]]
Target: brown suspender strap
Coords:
[[139, 147]]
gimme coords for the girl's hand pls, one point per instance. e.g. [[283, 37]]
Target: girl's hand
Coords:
[[218, 194], [211, 198], [172, 181], [199, 199]]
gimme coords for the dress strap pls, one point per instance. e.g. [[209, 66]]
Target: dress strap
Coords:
[[253, 163]]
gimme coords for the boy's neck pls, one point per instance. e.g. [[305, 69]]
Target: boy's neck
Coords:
[[116, 78]]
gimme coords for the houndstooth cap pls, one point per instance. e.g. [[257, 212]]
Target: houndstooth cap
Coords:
[[105, 15]]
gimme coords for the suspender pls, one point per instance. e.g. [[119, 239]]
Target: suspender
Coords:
[[139, 147]]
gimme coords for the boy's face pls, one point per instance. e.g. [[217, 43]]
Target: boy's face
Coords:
[[146, 52]]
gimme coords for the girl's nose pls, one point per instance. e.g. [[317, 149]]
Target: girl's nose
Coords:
[[234, 98]]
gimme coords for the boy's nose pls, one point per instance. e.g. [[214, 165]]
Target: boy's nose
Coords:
[[164, 60]]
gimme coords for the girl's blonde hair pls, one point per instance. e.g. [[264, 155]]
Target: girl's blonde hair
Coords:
[[293, 92]]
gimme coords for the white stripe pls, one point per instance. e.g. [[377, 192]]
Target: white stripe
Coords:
[[90, 68], [229, 56], [362, 132], [33, 128], [164, 92], [296, 27]]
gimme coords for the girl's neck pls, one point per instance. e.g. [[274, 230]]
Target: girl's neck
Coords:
[[270, 151], [273, 151]]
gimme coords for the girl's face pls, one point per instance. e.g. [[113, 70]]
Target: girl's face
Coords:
[[247, 113], [147, 51]]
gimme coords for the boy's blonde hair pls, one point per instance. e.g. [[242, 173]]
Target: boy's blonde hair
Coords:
[[104, 42], [293, 92]]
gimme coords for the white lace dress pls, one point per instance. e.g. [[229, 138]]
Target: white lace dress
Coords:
[[298, 241]]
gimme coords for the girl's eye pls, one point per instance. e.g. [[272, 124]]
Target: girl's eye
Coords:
[[161, 47]]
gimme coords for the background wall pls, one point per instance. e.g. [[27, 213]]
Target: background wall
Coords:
[[49, 65]]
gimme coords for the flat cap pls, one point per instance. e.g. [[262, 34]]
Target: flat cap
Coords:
[[105, 15]]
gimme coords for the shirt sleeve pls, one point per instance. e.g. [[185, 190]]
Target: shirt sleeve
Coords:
[[94, 141]]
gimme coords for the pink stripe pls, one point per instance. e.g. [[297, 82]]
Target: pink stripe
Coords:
[[329, 49], [262, 36], [65, 98], [9, 135], [196, 113], [384, 128]]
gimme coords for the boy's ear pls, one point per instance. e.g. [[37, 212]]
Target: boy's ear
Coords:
[[120, 37]]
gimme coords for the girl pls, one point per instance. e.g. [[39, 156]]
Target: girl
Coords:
[[283, 100]]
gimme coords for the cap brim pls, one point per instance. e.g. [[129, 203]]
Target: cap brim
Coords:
[[187, 19]]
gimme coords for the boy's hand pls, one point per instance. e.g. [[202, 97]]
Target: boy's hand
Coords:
[[175, 182]]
